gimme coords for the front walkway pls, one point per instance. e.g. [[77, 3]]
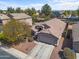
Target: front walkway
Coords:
[[25, 47]]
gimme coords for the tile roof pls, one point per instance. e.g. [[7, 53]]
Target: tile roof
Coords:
[[3, 16], [56, 27], [19, 15]]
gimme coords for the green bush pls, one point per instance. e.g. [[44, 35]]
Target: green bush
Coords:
[[69, 54], [2, 37], [47, 18], [34, 18], [16, 31]]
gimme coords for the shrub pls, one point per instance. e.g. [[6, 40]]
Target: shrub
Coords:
[[47, 18], [16, 31], [34, 18], [2, 37], [69, 54]]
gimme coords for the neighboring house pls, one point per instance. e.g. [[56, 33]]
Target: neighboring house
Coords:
[[18, 16], [21, 17], [4, 18], [73, 16], [52, 32], [75, 35], [56, 14]]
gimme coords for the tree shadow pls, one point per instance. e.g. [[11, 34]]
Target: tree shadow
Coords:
[[61, 54]]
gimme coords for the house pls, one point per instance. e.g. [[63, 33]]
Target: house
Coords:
[[72, 16], [75, 35], [21, 17], [51, 32], [4, 18]]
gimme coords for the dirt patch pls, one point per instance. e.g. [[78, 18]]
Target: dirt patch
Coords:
[[25, 47]]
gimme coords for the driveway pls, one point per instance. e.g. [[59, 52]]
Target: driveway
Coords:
[[42, 51]]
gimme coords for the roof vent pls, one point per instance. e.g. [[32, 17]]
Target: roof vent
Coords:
[[39, 28]]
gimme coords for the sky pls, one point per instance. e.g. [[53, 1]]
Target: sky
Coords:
[[37, 4]]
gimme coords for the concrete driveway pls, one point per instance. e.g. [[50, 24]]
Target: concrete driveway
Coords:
[[42, 51]]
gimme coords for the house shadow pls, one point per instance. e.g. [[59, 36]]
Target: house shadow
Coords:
[[68, 42], [47, 38]]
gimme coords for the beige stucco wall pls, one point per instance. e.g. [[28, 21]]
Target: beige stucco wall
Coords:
[[5, 21]]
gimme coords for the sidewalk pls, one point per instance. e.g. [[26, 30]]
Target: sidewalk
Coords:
[[16, 53], [77, 55]]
